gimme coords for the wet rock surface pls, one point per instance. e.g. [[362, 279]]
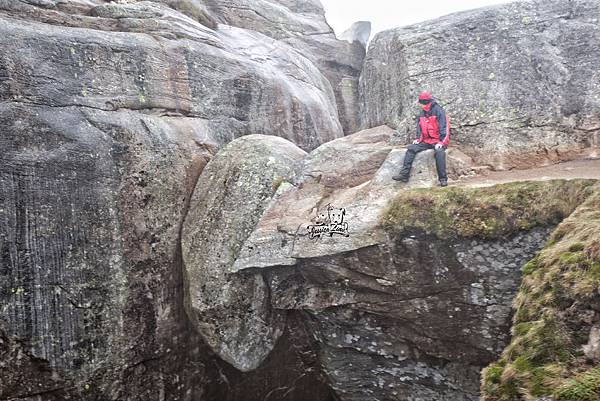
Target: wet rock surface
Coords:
[[302, 25], [88, 247], [145, 56]]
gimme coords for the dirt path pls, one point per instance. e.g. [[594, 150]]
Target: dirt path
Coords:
[[589, 168]]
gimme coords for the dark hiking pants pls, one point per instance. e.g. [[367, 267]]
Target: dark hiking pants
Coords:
[[440, 159]]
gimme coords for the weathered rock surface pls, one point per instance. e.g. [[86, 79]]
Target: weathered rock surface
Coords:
[[91, 268], [147, 57], [359, 31], [518, 80], [108, 114], [302, 25], [29, 376], [410, 319], [232, 312]]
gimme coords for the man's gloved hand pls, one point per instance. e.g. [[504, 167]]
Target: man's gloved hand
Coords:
[[439, 145], [416, 141]]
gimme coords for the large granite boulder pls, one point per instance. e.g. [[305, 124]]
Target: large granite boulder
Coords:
[[359, 31], [353, 173], [519, 80], [232, 312], [145, 56]]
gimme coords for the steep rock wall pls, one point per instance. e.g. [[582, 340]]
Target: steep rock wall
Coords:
[[108, 114], [91, 271]]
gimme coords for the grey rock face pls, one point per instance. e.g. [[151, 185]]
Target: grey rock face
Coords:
[[109, 112], [24, 376], [232, 312], [518, 80], [89, 279], [360, 32], [237, 80], [302, 25]]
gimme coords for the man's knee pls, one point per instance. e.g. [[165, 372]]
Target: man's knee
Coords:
[[413, 148], [440, 151]]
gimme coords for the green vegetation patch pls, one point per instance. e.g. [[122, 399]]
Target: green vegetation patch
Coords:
[[582, 387], [560, 287], [487, 212]]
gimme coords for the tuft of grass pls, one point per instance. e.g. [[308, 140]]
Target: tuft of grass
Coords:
[[560, 286], [530, 266], [277, 181], [581, 387], [576, 247]]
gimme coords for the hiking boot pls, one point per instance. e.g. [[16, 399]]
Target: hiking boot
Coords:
[[443, 183], [400, 177]]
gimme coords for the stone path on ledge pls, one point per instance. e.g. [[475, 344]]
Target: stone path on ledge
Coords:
[[589, 168]]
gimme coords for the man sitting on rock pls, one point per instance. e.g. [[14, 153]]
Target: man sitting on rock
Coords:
[[433, 132]]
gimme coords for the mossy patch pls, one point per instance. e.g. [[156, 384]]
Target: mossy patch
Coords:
[[487, 212], [582, 387], [560, 287], [530, 266], [576, 247], [570, 258]]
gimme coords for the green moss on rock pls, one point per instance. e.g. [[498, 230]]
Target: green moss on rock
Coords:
[[487, 212], [559, 289], [582, 387], [530, 266]]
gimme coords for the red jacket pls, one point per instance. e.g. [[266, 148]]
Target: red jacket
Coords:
[[433, 125]]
